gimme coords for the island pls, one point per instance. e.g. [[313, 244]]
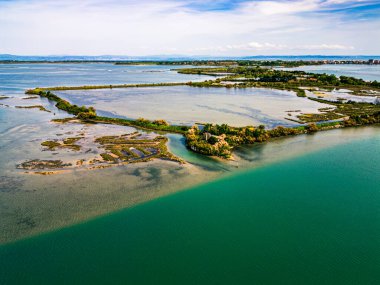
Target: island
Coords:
[[220, 140]]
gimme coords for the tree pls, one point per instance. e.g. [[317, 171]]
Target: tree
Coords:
[[311, 128]]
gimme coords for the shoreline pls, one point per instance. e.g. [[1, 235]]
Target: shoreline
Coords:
[[125, 203], [98, 214], [308, 145]]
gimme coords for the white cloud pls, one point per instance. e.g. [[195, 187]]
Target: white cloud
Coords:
[[165, 26], [255, 46], [326, 47], [276, 7]]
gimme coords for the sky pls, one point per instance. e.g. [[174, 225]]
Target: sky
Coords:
[[190, 27]]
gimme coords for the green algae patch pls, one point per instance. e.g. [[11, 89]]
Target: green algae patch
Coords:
[[39, 107], [51, 145], [30, 97], [64, 120], [108, 157], [42, 164], [68, 143], [129, 149]]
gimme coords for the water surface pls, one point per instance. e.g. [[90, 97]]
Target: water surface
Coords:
[[18, 77], [313, 219], [186, 105], [31, 204], [364, 71]]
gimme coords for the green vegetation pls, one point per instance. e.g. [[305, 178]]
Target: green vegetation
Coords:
[[353, 113], [128, 149], [66, 143], [219, 140], [64, 120], [140, 123], [88, 114], [69, 141], [282, 63], [296, 81], [51, 145], [39, 107], [89, 87], [42, 164], [63, 104], [108, 157]]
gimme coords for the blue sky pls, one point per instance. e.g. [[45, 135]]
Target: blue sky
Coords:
[[190, 27]]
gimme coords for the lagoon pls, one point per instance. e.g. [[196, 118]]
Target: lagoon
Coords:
[[186, 105]]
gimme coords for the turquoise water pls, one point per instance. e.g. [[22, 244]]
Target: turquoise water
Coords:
[[313, 219]]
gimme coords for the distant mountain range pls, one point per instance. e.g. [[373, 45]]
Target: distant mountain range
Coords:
[[176, 57]]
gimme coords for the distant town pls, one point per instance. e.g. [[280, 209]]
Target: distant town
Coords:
[[226, 62]]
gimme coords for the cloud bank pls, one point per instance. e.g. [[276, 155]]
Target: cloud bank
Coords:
[[231, 28]]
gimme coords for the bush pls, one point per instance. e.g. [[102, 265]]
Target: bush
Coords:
[[160, 123], [86, 115], [212, 140], [311, 128]]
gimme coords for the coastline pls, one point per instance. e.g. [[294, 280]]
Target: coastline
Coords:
[[226, 225], [135, 180], [192, 175]]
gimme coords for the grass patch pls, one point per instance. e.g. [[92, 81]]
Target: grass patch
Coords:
[[39, 107], [42, 164]]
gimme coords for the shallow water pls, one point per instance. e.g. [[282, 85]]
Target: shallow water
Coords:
[[341, 95], [17, 77], [30, 204], [313, 219], [185, 105], [364, 71]]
